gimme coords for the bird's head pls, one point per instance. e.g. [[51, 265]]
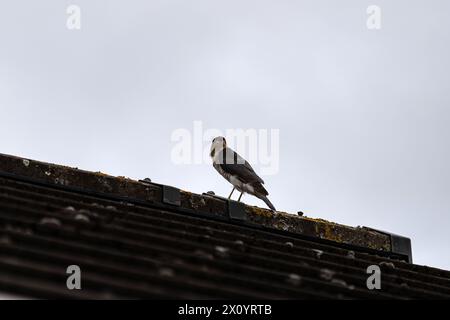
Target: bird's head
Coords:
[[217, 144]]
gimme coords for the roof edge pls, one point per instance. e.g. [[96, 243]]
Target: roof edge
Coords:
[[208, 205]]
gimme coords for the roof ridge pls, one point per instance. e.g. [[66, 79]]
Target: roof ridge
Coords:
[[208, 205]]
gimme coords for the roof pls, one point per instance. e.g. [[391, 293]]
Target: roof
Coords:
[[139, 239]]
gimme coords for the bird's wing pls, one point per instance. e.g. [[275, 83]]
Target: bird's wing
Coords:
[[231, 162]]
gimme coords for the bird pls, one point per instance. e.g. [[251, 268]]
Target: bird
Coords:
[[236, 170]]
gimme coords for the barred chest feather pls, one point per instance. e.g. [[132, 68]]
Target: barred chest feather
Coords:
[[234, 180]]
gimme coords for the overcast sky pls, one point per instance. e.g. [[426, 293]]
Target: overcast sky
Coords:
[[363, 115]]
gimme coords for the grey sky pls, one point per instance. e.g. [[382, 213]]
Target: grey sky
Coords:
[[363, 114]]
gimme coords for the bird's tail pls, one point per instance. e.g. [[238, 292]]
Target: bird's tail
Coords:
[[262, 193], [269, 204]]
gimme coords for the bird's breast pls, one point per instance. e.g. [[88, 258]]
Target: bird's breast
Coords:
[[235, 181], [222, 172]]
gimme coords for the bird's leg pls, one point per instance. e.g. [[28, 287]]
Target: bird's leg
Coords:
[[231, 193], [240, 196]]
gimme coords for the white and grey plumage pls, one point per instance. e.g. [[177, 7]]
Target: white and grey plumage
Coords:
[[237, 171]]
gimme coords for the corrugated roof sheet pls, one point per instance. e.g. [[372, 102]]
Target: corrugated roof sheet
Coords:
[[130, 241]]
